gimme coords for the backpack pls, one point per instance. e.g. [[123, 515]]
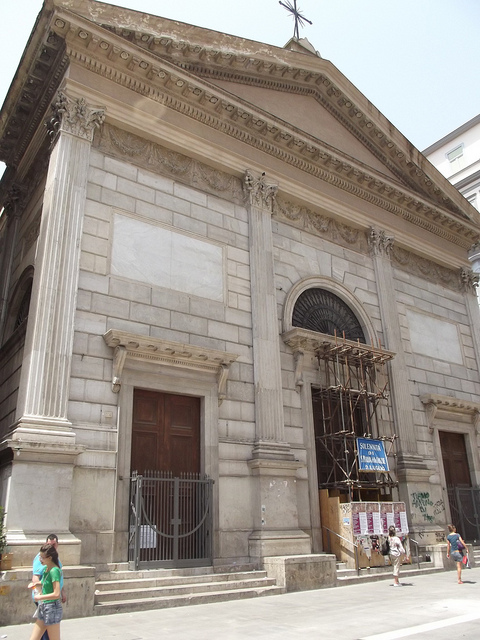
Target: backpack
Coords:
[[385, 548]]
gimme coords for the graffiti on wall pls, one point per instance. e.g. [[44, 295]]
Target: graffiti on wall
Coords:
[[428, 509]]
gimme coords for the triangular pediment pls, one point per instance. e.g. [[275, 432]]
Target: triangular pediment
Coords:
[[356, 128], [304, 114], [289, 103]]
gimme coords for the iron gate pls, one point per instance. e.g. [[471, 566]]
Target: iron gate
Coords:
[[465, 511], [170, 521]]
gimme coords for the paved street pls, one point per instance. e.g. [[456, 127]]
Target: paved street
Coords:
[[426, 607]]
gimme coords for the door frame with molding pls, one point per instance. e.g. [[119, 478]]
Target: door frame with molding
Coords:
[[163, 379]]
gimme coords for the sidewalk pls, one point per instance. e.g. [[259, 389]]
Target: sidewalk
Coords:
[[343, 613]]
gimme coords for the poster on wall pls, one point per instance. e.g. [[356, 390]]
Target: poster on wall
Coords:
[[394, 514], [375, 518], [377, 528], [359, 519], [400, 517]]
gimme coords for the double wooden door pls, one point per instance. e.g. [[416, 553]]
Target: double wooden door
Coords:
[[455, 461], [170, 509], [463, 498], [165, 433]]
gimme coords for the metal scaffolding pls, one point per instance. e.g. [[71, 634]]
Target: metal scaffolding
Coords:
[[352, 403]]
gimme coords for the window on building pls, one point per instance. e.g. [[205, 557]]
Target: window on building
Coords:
[[456, 153]]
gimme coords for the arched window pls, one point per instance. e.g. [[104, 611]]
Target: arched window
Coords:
[[19, 305], [321, 310], [22, 313]]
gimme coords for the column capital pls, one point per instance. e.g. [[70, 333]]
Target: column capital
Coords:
[[74, 116], [14, 201], [379, 242], [468, 280], [260, 193]]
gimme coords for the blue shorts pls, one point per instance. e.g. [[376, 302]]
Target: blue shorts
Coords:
[[50, 612], [457, 556]]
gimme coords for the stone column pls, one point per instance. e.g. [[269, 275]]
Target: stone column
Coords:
[[410, 465], [273, 466], [469, 284], [42, 432], [474, 257]]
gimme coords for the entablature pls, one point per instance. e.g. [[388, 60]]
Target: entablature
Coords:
[[150, 65], [328, 347], [172, 354], [439, 407], [120, 60]]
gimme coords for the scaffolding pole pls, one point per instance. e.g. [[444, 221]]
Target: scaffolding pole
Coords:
[[354, 393]]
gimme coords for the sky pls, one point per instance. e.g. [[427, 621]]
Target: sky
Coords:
[[417, 61]]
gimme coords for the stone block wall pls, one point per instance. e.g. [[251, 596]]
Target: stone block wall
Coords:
[[108, 301]]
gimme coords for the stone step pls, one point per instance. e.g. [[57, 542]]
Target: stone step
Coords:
[[126, 574], [122, 571], [372, 575], [163, 602], [160, 591], [161, 580]]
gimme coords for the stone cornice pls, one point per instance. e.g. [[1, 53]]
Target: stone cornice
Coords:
[[322, 345], [172, 354], [122, 59], [448, 408], [106, 54], [153, 157], [225, 64], [20, 121]]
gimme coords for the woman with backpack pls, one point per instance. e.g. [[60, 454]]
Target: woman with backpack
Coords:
[[396, 552], [455, 547]]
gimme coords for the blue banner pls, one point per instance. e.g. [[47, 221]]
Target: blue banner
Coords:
[[371, 455]]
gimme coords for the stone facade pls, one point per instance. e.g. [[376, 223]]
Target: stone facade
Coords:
[[187, 190]]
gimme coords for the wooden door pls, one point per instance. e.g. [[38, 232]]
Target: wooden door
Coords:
[[462, 497], [165, 433], [455, 461], [165, 438]]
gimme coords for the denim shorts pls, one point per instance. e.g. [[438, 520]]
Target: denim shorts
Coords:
[[457, 556], [50, 612]]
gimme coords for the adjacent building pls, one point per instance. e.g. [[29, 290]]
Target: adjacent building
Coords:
[[457, 157]]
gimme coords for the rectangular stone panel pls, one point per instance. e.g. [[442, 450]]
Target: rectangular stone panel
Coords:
[[164, 258], [433, 337]]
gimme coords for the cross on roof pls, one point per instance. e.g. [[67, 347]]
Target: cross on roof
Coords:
[[297, 16]]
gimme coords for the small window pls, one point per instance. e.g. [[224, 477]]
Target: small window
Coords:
[[455, 153]]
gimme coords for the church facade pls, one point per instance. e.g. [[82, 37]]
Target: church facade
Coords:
[[220, 262]]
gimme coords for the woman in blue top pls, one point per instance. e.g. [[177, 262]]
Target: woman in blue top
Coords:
[[452, 549], [50, 607]]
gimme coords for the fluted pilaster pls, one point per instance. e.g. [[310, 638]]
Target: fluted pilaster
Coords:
[[469, 282], [45, 381], [269, 419], [381, 245]]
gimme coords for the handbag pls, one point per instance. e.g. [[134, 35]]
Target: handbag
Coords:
[[460, 546], [385, 548]]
